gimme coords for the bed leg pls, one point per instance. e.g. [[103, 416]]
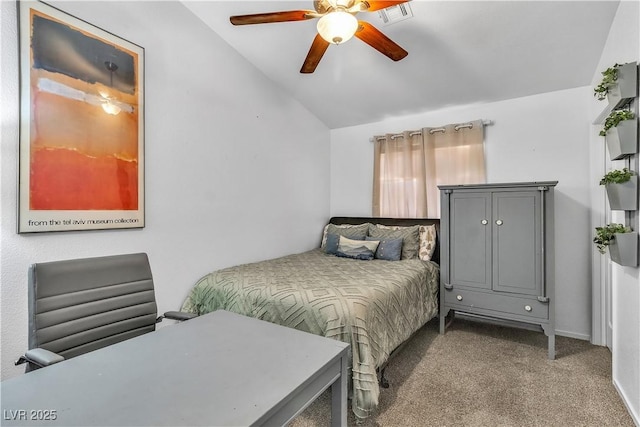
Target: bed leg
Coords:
[[384, 383]]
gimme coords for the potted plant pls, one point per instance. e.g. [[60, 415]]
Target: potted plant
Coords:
[[618, 84], [621, 131], [622, 189], [614, 119], [622, 243], [609, 78], [604, 235]]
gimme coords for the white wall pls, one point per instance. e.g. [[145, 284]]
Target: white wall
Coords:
[[235, 171], [536, 138], [622, 46]]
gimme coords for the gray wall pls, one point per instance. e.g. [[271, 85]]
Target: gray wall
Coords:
[[536, 138], [235, 170]]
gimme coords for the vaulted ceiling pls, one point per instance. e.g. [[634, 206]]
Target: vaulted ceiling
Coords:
[[460, 52]]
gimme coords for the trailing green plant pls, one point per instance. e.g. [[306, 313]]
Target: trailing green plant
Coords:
[[615, 117], [609, 78], [616, 176], [604, 235]]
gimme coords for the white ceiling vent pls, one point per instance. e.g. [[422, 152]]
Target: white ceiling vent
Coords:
[[394, 14]]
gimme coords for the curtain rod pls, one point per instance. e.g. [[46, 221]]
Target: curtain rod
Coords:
[[440, 129]]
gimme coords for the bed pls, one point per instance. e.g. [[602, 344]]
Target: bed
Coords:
[[375, 305]]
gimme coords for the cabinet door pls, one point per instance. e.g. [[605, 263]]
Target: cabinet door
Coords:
[[517, 242], [470, 239]]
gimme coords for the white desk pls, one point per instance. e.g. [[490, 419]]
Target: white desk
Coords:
[[221, 369]]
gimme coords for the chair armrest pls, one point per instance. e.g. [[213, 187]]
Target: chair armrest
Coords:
[[177, 315], [40, 357]]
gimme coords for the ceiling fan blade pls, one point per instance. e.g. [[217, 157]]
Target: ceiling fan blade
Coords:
[[377, 5], [267, 18], [383, 44], [318, 48]]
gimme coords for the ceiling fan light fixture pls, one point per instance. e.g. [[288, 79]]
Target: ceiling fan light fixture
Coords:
[[337, 27]]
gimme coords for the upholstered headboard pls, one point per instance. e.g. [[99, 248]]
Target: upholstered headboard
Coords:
[[393, 221]]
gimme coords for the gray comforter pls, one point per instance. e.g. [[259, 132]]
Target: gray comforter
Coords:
[[372, 305]]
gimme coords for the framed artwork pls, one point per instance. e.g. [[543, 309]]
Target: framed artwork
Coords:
[[81, 125]]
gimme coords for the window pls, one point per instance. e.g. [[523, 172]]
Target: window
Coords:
[[408, 168]]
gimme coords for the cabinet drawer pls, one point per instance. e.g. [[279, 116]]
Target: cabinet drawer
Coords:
[[482, 302]]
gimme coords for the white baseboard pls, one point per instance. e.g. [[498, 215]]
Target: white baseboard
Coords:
[[577, 336], [634, 415]]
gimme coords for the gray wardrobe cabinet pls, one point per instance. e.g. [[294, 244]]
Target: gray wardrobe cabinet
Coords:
[[496, 254]]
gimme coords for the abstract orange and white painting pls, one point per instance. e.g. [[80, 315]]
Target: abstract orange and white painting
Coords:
[[82, 130]]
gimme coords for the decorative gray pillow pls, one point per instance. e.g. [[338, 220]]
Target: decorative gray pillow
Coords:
[[409, 235], [331, 245], [388, 249], [355, 232]]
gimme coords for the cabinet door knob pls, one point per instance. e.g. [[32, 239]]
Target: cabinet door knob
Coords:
[[484, 222], [527, 308], [459, 297], [499, 222]]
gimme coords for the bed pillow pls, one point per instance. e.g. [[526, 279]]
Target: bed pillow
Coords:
[[331, 244], [357, 249], [409, 236], [427, 242], [388, 249], [355, 232]]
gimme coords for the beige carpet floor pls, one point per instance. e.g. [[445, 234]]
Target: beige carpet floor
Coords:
[[485, 375]]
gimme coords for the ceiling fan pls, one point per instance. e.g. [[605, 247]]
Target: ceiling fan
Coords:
[[336, 25]]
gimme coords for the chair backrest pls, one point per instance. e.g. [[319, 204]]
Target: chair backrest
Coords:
[[81, 305]]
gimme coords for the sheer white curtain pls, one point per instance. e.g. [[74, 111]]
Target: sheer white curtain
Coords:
[[408, 167]]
